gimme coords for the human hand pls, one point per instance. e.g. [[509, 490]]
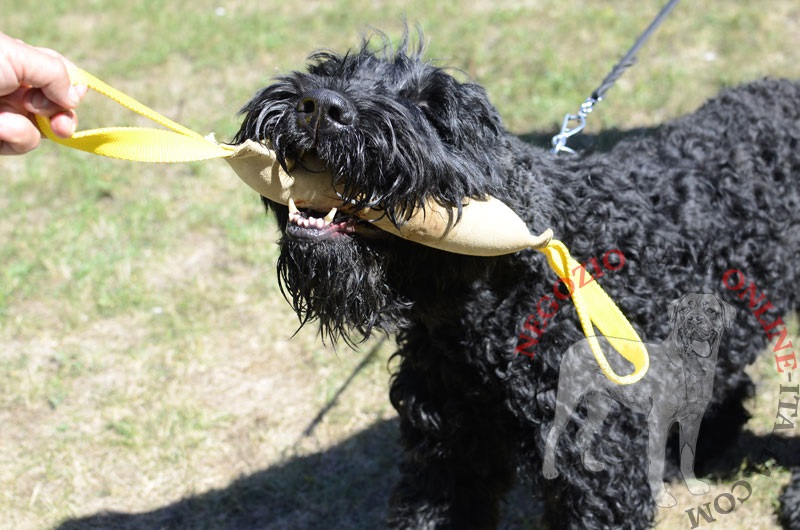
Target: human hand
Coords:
[[33, 81]]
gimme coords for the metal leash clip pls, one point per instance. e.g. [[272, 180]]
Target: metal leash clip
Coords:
[[559, 141]]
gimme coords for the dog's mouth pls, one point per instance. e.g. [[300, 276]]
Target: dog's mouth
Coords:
[[703, 333], [313, 225], [316, 226], [482, 226], [316, 223]]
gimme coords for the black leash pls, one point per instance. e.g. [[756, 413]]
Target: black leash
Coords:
[[309, 430], [560, 140]]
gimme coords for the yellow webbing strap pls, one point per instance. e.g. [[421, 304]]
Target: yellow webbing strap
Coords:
[[596, 308], [179, 144], [140, 144]]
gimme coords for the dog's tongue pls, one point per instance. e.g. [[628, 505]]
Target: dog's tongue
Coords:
[[485, 228]]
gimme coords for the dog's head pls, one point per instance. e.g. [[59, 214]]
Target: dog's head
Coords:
[[700, 318], [394, 131]]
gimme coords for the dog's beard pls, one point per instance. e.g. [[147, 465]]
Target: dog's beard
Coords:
[[342, 284]]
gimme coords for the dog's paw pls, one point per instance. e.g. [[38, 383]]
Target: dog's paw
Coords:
[[549, 471], [697, 487], [663, 498], [591, 463]]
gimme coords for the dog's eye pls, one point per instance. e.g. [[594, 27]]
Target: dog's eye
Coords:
[[428, 109], [430, 113]]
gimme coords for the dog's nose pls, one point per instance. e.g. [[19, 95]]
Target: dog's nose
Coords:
[[324, 110], [695, 318]]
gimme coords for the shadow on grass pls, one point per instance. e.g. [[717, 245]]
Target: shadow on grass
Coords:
[[756, 452], [345, 487]]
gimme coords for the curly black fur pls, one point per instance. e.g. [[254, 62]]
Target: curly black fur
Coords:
[[724, 181], [790, 501]]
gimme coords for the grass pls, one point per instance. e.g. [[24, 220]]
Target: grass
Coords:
[[147, 361]]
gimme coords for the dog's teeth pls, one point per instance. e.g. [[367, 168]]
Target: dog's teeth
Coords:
[[293, 207], [330, 216], [313, 222]]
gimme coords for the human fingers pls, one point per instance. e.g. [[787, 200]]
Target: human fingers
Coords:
[[31, 101], [75, 91], [64, 123], [24, 65], [37, 102], [18, 135]]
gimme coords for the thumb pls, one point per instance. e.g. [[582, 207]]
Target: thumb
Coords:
[[56, 84]]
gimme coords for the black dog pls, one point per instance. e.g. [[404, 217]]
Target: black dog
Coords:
[[677, 388], [396, 131]]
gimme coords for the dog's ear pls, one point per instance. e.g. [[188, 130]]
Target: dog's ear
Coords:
[[728, 313], [673, 310]]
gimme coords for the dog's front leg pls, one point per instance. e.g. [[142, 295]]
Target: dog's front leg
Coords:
[[458, 461], [690, 428], [658, 423]]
